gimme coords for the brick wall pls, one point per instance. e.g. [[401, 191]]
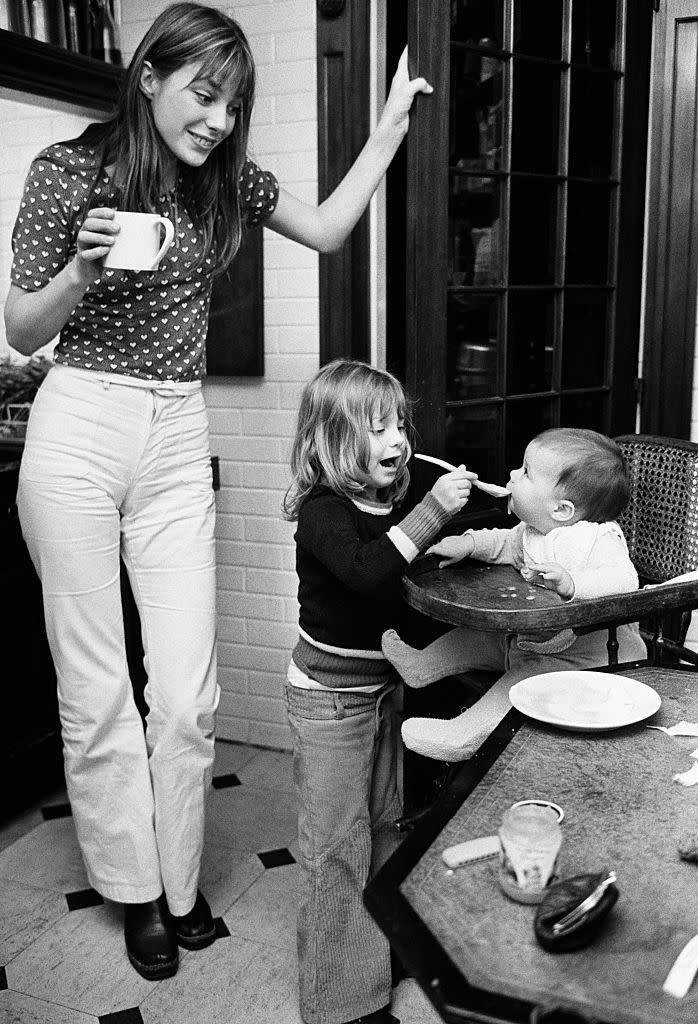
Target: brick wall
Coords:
[[27, 124], [251, 419]]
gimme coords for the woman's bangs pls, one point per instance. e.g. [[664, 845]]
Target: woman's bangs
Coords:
[[227, 65]]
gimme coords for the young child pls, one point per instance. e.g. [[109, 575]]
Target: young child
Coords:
[[349, 468], [572, 485]]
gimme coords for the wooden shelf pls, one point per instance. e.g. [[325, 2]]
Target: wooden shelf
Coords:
[[30, 66]]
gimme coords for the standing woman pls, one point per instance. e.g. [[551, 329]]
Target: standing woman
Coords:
[[117, 460]]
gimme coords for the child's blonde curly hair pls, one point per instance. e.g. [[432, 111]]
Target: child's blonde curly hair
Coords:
[[331, 445]]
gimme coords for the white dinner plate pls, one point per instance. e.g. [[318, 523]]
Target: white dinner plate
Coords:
[[586, 701]]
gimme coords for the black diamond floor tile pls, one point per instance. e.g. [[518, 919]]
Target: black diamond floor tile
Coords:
[[226, 781], [3, 979], [130, 1016], [221, 929], [83, 898], [56, 811], [276, 858]]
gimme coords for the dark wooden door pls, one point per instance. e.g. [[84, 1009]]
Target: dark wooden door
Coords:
[[672, 250], [343, 60], [524, 223]]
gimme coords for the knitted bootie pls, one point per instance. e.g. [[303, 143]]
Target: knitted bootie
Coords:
[[444, 739], [407, 660]]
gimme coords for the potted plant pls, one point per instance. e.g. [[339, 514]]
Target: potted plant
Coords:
[[19, 383]]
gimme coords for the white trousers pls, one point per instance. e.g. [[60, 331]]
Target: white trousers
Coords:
[[108, 471]]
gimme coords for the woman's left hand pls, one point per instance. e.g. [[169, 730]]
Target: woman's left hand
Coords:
[[396, 113]]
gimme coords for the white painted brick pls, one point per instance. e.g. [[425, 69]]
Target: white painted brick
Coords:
[[296, 45], [254, 708], [298, 282], [272, 531], [263, 47], [290, 396], [248, 449], [235, 729], [288, 560], [274, 422], [230, 603], [263, 556], [229, 527], [262, 659], [280, 252], [265, 581], [301, 106], [259, 502], [233, 422], [291, 609], [266, 684], [292, 368], [265, 476], [267, 734], [234, 680], [229, 578], [253, 393], [285, 16], [298, 339], [284, 635], [302, 166], [282, 79], [281, 138], [232, 630], [264, 111], [259, 606]]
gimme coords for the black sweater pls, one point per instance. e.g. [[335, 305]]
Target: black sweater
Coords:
[[348, 570]]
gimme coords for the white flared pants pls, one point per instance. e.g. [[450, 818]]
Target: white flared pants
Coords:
[[111, 471]]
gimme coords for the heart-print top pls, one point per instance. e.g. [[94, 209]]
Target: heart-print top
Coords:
[[149, 324]]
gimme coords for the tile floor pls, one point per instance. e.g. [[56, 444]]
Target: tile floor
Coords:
[[61, 946]]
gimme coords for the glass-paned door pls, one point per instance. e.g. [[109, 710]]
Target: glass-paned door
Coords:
[[524, 172]]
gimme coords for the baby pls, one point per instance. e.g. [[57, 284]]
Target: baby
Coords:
[[571, 487]]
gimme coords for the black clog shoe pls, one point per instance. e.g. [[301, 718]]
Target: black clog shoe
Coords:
[[197, 928], [150, 938]]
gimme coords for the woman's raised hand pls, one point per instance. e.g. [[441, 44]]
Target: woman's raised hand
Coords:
[[402, 92], [95, 239], [452, 489]]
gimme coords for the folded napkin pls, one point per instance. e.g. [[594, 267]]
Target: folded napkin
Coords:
[[680, 729]]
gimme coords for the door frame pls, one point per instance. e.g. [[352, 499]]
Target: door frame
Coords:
[[672, 218]]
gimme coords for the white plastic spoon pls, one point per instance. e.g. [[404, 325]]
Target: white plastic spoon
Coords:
[[494, 489]]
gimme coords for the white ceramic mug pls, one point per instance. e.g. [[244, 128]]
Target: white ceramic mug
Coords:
[[137, 246]]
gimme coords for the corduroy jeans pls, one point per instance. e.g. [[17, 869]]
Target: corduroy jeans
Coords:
[[345, 772]]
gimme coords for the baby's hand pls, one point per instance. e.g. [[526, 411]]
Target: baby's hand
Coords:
[[553, 577], [453, 549], [95, 239], [452, 489]]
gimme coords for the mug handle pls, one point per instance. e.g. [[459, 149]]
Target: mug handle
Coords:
[[169, 238]]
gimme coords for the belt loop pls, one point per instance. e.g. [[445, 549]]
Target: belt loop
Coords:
[[338, 706], [106, 384]]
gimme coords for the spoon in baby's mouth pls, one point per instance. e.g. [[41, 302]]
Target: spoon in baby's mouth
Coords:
[[494, 489]]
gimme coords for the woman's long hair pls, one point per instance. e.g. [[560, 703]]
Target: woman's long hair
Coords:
[[332, 444], [184, 33]]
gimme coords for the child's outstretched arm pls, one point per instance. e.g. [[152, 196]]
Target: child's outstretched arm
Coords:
[[326, 527], [325, 227]]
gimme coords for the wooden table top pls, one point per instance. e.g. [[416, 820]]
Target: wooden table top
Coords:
[[496, 598], [474, 951]]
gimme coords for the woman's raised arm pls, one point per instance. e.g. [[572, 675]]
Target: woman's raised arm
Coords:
[[325, 227]]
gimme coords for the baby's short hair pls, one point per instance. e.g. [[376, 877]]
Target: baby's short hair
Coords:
[[593, 471]]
